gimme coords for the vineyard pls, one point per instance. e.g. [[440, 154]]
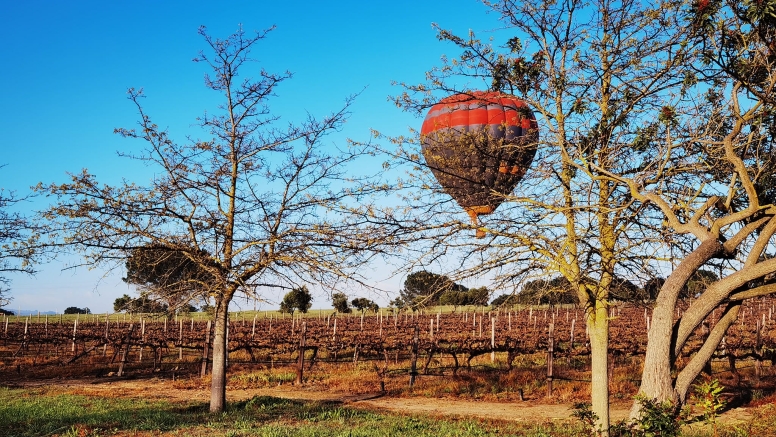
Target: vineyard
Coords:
[[413, 344]]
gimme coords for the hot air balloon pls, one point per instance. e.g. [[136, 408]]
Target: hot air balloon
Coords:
[[478, 146]]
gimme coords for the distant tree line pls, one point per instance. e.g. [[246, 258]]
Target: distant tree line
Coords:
[[340, 303], [76, 310], [557, 291], [424, 289]]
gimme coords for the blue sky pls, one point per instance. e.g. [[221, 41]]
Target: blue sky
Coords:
[[67, 66]]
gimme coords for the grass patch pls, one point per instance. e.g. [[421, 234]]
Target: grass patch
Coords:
[[36, 413], [39, 412], [262, 378]]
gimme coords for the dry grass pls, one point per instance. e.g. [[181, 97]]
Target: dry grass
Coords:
[[484, 380]]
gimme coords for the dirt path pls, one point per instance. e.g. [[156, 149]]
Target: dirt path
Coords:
[[165, 389]]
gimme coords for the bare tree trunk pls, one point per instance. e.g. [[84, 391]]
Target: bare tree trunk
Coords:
[[687, 375], [218, 384], [598, 323], [656, 380]]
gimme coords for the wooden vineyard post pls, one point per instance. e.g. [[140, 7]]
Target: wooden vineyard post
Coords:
[[142, 340], [206, 352], [105, 345], [758, 357], [180, 339], [414, 365], [300, 364], [492, 339], [24, 339], [550, 350], [571, 338], [125, 350], [75, 327]]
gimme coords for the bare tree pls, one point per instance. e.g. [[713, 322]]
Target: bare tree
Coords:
[[730, 221], [19, 246], [253, 204], [598, 76], [656, 149]]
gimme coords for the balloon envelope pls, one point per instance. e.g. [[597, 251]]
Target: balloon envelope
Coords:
[[479, 146]]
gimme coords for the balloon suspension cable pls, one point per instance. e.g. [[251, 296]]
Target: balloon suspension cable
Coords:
[[480, 230]]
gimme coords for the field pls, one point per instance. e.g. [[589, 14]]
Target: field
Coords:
[[523, 366]]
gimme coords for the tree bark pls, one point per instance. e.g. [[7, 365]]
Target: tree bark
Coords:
[[691, 371], [218, 382], [656, 380], [598, 323]]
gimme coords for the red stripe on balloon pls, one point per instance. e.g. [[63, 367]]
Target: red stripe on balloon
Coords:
[[496, 114], [478, 116], [476, 109]]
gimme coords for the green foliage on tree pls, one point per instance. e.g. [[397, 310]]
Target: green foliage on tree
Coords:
[[698, 283], [398, 304], [363, 304], [297, 299], [505, 300], [169, 275], [340, 303], [422, 289], [477, 296], [558, 291], [141, 304], [76, 310], [626, 291], [553, 291], [652, 288], [463, 296], [454, 298]]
